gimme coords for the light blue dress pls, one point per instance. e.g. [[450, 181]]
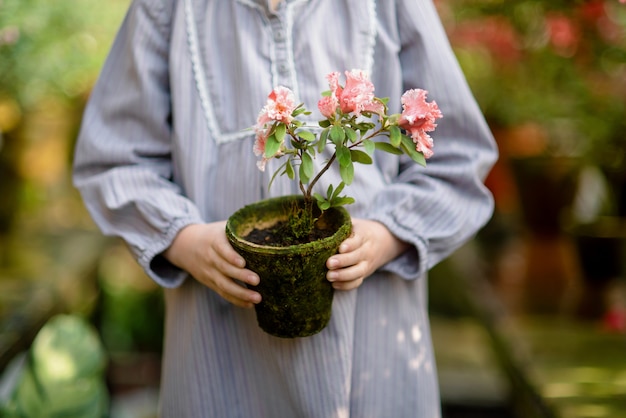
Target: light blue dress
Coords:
[[164, 143]]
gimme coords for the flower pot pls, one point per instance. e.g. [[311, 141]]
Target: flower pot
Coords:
[[547, 187], [601, 249], [297, 297]]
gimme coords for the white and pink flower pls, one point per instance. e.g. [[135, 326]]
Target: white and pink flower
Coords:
[[281, 103], [417, 118], [356, 97], [277, 120]]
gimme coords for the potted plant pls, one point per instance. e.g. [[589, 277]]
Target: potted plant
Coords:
[[287, 240]]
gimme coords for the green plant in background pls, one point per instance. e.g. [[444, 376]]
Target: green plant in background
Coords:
[[53, 48], [50, 54], [62, 376]]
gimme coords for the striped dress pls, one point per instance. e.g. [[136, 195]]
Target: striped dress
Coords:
[[164, 144]]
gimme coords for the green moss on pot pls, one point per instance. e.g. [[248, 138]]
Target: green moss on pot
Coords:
[[297, 298]]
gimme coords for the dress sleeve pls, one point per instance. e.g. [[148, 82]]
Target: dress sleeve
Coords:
[[439, 207], [122, 162]]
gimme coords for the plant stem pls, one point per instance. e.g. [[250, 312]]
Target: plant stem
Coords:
[[322, 171]]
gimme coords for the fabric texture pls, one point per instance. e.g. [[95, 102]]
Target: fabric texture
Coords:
[[165, 142]]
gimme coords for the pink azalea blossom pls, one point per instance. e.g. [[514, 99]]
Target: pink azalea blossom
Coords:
[[279, 108], [333, 82], [259, 148], [418, 117], [281, 102], [328, 106], [345, 102], [358, 94], [262, 163]]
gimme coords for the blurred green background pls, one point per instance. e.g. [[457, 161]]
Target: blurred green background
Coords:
[[550, 77]]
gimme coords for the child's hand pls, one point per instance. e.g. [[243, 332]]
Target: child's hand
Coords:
[[204, 252], [369, 247]]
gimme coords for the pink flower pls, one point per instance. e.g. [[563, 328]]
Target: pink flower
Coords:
[[281, 102], [494, 33], [279, 108], [418, 117], [358, 94], [564, 34], [259, 146], [333, 82], [262, 163], [328, 106]]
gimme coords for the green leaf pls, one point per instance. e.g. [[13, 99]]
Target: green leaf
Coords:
[[322, 141], [306, 135], [347, 173], [325, 123], [384, 146], [360, 157], [289, 170], [323, 205], [395, 136], [298, 111], [363, 127], [280, 131], [322, 202], [276, 174], [329, 191], [296, 144], [272, 145], [409, 148], [369, 146], [343, 156], [306, 168], [351, 134], [337, 134], [341, 201], [337, 191]]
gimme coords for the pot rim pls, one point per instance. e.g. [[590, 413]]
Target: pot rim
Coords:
[[328, 242]]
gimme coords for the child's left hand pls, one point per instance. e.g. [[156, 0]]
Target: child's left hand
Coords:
[[370, 246]]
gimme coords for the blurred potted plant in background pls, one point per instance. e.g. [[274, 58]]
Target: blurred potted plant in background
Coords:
[[551, 80]]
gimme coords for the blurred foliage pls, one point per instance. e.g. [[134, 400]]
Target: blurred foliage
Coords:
[[131, 307], [50, 55], [557, 69], [53, 48], [63, 374]]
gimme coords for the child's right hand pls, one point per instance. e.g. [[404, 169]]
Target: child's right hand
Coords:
[[205, 253]]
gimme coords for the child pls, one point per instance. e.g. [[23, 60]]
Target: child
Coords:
[[165, 156]]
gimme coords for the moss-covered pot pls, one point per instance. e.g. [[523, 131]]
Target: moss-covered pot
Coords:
[[297, 298]]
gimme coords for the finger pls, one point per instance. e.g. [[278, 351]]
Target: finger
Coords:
[[234, 272], [351, 243], [228, 253], [353, 284], [233, 292], [339, 261], [355, 272]]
